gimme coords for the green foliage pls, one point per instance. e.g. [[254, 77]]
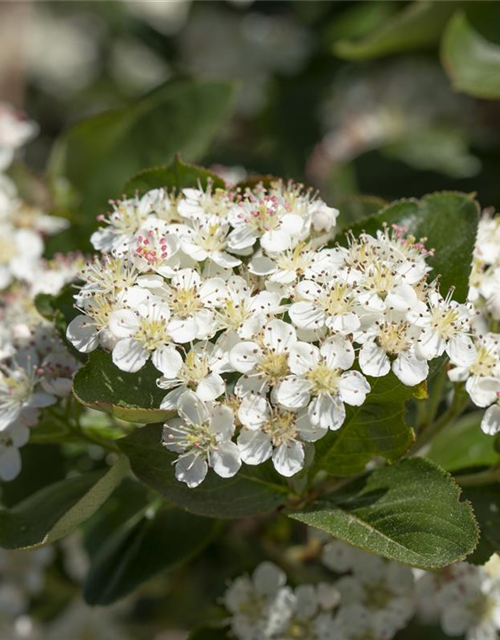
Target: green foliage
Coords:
[[141, 548], [133, 397], [176, 176], [463, 444], [409, 512], [449, 222], [486, 503], [253, 490], [377, 427], [418, 25], [472, 62], [99, 154], [208, 633], [58, 509]]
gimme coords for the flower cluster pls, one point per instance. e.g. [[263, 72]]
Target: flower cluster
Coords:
[[368, 598], [35, 367], [261, 328]]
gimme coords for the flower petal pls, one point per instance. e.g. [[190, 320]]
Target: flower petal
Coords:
[[130, 355]]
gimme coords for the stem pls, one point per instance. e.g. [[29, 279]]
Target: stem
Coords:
[[457, 407], [436, 396], [481, 477]]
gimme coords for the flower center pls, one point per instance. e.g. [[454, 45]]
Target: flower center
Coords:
[[194, 369], [265, 215], [152, 333], [185, 301], [485, 363], [152, 249], [336, 300], [281, 427], [99, 308], [446, 322], [274, 365], [323, 379], [211, 237], [233, 314], [8, 250], [297, 260], [393, 337], [108, 275]]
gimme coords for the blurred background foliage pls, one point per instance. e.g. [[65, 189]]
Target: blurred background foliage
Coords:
[[367, 101]]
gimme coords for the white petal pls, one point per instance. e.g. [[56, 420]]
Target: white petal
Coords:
[[255, 447], [279, 335], [276, 241], [167, 360], [253, 411], [410, 369], [338, 353], [461, 350], [306, 315], [83, 334], [303, 357], [490, 423], [373, 360], [191, 469], [211, 387], [343, 322], [288, 458], [261, 266], [353, 388], [327, 411], [222, 423], [192, 409], [10, 463], [293, 392], [268, 578], [307, 430], [183, 331], [225, 460], [130, 355], [430, 345], [244, 356], [251, 384], [213, 291], [171, 400], [483, 391], [123, 323]]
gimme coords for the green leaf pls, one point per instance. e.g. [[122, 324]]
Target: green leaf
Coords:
[[471, 61], [449, 222], [145, 547], [60, 310], [56, 510], [133, 397], [377, 427], [175, 176], [463, 445], [486, 503], [409, 512], [98, 155], [417, 26], [253, 490]]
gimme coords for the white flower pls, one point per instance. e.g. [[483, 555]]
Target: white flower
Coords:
[[20, 251], [244, 312], [19, 398], [445, 327], [11, 440], [196, 373], [390, 343], [208, 241], [202, 436], [312, 618], [155, 249], [142, 334], [262, 605], [320, 373], [15, 131], [274, 433], [210, 206], [333, 305], [192, 300], [264, 363]]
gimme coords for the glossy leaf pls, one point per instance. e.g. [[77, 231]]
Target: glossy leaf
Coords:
[[486, 503], [56, 510], [176, 176], [134, 397], [472, 61], [143, 548], [377, 427], [409, 512], [449, 222], [253, 490], [463, 445], [98, 155], [417, 26]]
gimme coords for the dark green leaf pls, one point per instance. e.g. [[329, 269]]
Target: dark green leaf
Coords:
[[472, 61], [463, 445], [98, 155], [417, 26], [409, 512], [449, 222], [253, 490], [486, 503], [175, 176], [377, 427], [56, 510], [208, 633], [145, 547], [134, 397]]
